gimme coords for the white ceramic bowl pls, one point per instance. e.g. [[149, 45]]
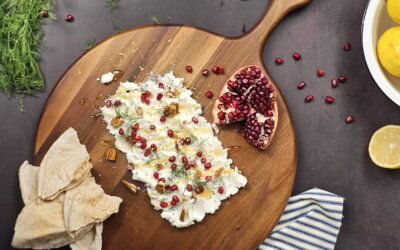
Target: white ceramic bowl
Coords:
[[376, 22]]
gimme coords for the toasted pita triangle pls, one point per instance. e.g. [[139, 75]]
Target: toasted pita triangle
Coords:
[[41, 226], [28, 182], [64, 166], [90, 241], [87, 204]]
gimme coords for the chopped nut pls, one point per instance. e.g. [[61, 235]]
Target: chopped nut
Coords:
[[116, 121], [111, 154], [171, 110], [139, 111], [197, 174], [108, 143], [173, 93], [160, 167], [218, 172], [160, 187], [183, 215], [130, 186]]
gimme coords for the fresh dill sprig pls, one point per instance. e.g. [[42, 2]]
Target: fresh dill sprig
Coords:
[[112, 4], [20, 38], [154, 20], [90, 44]]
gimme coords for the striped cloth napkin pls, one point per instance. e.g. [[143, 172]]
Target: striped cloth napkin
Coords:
[[311, 220]]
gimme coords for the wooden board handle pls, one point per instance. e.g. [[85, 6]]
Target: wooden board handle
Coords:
[[277, 10]]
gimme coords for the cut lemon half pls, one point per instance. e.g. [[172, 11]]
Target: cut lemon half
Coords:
[[384, 147]]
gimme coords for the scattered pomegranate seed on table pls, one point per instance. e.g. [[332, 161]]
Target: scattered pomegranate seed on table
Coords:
[[209, 94], [296, 56], [301, 85], [308, 98], [189, 69], [205, 72], [347, 47], [221, 70], [349, 119], [69, 18], [279, 61], [334, 83], [342, 79], [329, 99], [320, 72], [215, 70]]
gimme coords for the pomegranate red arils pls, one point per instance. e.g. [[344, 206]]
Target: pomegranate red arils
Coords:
[[301, 85], [308, 98], [342, 79], [221, 190], [334, 83], [205, 72], [258, 130], [329, 99], [195, 120], [163, 204], [189, 69], [209, 94], [320, 72], [279, 61], [296, 56], [347, 47], [349, 119], [69, 18]]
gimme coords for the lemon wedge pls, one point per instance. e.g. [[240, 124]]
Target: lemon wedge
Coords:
[[393, 8], [384, 147], [389, 50]]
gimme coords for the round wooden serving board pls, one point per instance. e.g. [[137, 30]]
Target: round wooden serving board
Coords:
[[244, 220]]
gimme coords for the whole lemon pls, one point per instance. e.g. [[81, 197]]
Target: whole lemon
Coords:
[[393, 8], [389, 50]]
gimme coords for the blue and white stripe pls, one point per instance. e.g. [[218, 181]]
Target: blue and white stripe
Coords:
[[311, 220]]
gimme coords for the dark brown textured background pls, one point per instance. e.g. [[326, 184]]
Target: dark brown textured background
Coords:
[[332, 155]]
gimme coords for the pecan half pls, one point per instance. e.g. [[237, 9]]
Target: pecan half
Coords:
[[160, 187], [183, 215], [130, 186], [218, 172], [116, 121], [173, 93], [197, 174], [111, 154], [171, 109]]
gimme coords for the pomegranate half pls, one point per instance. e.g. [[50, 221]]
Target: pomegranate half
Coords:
[[248, 96]]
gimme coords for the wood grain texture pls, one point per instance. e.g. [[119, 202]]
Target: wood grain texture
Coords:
[[243, 221]]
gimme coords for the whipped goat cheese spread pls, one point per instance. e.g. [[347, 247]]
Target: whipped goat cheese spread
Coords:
[[172, 148]]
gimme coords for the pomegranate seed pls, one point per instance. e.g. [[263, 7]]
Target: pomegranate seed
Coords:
[[334, 83], [329, 99], [215, 70], [347, 47], [188, 140], [152, 127], [138, 138], [163, 204], [279, 61], [143, 146], [184, 159], [161, 85], [221, 116], [189, 69], [207, 165], [173, 188], [175, 198], [155, 175], [320, 73], [342, 78], [163, 118], [143, 140], [208, 178], [221, 190], [121, 131], [349, 119], [221, 70], [301, 85], [44, 14], [147, 152], [133, 134], [296, 56], [309, 98], [172, 158], [173, 167], [153, 147], [203, 160], [199, 154], [69, 18], [159, 96], [189, 187], [205, 72], [170, 133], [117, 103], [199, 189], [135, 127], [108, 103], [209, 94], [195, 120]]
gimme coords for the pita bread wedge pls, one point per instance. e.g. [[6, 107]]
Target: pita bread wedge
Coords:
[[28, 182], [41, 226], [90, 241], [87, 204], [64, 166]]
